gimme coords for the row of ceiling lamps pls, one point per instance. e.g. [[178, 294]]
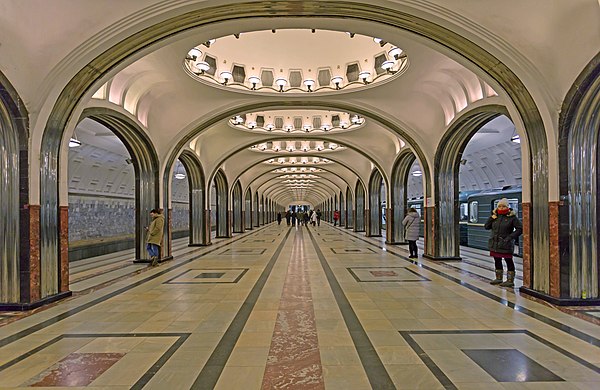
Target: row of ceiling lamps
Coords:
[[391, 67], [238, 120]]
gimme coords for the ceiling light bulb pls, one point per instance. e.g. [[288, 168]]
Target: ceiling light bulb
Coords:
[[251, 125], [211, 41], [270, 127], [326, 127], [281, 82], [307, 128], [73, 143], [179, 176], [395, 52], [202, 66], [226, 75], [194, 53], [515, 139], [254, 80], [377, 40], [388, 65], [343, 125], [309, 84], [364, 75], [337, 80]]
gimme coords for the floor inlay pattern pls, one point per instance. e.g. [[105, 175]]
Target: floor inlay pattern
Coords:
[[294, 360]]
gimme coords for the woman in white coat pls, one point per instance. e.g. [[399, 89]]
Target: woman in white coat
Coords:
[[412, 224]]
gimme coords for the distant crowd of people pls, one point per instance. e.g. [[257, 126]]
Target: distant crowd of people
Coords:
[[301, 217]]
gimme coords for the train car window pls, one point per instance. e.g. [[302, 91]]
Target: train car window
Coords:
[[473, 211], [464, 212], [512, 203]]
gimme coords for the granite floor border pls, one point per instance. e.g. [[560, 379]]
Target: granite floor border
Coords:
[[145, 378], [528, 312], [237, 279], [357, 278], [54, 320], [446, 382], [376, 373], [211, 372]]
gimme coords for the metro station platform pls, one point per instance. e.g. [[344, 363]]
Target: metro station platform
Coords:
[[286, 307]]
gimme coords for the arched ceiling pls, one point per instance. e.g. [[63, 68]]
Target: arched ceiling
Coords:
[[155, 86]]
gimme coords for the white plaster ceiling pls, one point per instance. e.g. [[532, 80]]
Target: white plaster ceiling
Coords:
[[154, 87]]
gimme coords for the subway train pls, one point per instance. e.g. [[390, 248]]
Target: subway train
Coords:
[[475, 207]]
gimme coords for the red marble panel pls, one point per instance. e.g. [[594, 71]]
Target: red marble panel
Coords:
[[526, 244], [294, 361], [389, 225], [63, 223], [554, 250], [77, 369], [34, 253]]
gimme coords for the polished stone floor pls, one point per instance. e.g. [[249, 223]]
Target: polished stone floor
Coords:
[[296, 308]]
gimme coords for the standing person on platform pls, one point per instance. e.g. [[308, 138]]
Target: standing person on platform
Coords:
[[318, 212], [300, 216], [336, 217], [412, 225], [279, 218], [306, 219], [313, 218], [506, 228], [155, 235], [288, 216], [293, 218]]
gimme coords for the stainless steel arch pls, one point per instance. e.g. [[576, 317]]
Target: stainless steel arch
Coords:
[[446, 38], [374, 221], [222, 212], [579, 129], [398, 195], [14, 194], [238, 216], [197, 188]]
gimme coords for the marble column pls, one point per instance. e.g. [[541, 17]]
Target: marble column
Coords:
[[30, 265], [554, 250], [206, 236], [63, 261], [526, 244]]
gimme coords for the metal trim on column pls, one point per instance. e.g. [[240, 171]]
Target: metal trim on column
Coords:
[[374, 228], [399, 195], [446, 184], [579, 127], [197, 196], [14, 195]]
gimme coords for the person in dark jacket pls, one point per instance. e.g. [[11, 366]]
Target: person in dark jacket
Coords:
[[412, 224], [279, 218], [506, 228]]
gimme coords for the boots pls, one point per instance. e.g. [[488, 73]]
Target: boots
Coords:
[[498, 279], [154, 261], [510, 279]]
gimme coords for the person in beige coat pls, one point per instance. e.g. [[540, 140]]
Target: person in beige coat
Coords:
[[155, 235]]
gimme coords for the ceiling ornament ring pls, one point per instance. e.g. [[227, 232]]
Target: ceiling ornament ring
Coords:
[[237, 63]]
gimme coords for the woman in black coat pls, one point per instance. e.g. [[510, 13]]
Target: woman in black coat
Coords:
[[506, 228]]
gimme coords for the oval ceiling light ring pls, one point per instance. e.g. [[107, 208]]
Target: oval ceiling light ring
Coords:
[[308, 67]]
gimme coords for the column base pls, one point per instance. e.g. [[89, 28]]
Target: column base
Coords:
[[208, 244], [148, 261], [559, 301], [34, 305], [442, 258], [374, 235]]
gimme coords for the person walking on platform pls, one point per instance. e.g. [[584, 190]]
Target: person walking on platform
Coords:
[[313, 218], [279, 218], [506, 228], [155, 235], [412, 225], [294, 218], [318, 212], [288, 216], [336, 217]]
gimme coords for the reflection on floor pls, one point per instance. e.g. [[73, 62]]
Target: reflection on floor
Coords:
[[281, 307]]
